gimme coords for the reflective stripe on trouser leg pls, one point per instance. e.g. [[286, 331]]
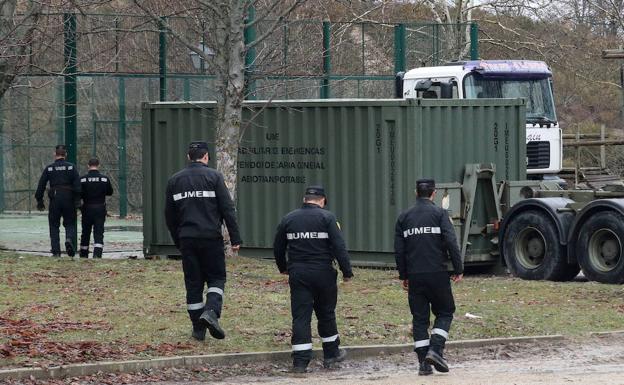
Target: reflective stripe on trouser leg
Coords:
[[420, 309], [300, 347], [440, 332], [326, 296], [195, 310], [329, 339], [99, 217], [214, 296], [331, 346], [193, 282], [442, 305], [421, 344], [98, 249], [301, 306], [195, 306]]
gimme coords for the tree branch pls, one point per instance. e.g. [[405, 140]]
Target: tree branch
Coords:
[[274, 25], [215, 9]]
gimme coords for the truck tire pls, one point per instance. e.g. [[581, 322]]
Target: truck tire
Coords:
[[599, 247], [532, 249]]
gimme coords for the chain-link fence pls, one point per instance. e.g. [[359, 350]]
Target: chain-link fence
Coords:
[[121, 61]]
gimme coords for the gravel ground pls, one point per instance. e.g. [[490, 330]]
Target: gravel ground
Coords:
[[588, 361]]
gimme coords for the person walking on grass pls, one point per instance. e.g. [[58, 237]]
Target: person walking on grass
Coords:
[[95, 188], [197, 204], [424, 238], [64, 199], [312, 239]]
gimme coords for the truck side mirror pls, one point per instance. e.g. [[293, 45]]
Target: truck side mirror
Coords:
[[423, 85], [398, 85]]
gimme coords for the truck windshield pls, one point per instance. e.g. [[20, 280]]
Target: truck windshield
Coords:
[[537, 93]]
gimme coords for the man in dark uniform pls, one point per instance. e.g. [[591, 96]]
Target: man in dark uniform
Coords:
[[424, 237], [312, 237], [95, 188], [198, 202], [64, 197]]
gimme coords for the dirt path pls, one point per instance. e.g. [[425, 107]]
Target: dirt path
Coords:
[[588, 361]]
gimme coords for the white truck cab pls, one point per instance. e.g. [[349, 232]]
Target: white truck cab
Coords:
[[531, 80]]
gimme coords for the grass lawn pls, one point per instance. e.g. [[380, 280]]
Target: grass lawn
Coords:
[[57, 311]]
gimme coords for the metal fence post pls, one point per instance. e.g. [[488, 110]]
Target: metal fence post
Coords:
[[29, 143], [162, 59], [121, 144], [325, 90], [70, 97], [474, 41], [250, 55], [435, 44], [60, 111], [399, 48]]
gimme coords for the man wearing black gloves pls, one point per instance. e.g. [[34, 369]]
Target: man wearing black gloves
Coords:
[[198, 202], [95, 188], [424, 237], [312, 237], [64, 197]]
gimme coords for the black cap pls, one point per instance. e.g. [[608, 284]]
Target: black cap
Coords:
[[315, 190], [198, 145], [425, 184], [60, 150]]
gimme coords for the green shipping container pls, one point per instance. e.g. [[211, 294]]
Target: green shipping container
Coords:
[[367, 153]]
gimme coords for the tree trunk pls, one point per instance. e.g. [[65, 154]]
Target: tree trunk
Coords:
[[230, 79], [230, 114]]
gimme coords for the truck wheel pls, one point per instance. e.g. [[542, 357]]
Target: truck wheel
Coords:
[[599, 250], [532, 249]]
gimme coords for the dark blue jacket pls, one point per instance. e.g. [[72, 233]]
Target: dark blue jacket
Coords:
[[312, 238], [197, 204], [63, 178], [424, 239]]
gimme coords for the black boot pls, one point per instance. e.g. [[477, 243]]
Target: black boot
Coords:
[[328, 362], [84, 253], [301, 359], [97, 252], [199, 332], [69, 248], [435, 355], [209, 317], [424, 368]]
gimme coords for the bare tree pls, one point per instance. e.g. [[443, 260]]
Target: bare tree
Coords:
[[16, 33], [223, 23]]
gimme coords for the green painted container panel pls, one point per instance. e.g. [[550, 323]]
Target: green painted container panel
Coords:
[[367, 153]]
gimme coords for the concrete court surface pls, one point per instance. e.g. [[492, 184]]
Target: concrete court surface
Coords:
[[29, 233]]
